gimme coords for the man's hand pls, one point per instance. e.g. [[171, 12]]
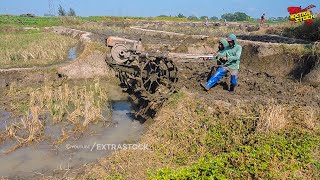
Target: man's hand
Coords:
[[225, 58], [213, 53]]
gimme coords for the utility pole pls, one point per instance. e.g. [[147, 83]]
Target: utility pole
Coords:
[[51, 8]]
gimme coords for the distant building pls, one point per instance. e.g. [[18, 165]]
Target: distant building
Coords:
[[27, 15], [49, 15]]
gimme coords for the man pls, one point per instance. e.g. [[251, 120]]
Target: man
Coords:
[[263, 18], [232, 64], [206, 22], [220, 58]]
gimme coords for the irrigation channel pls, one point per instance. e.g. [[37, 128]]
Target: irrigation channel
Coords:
[[66, 159], [45, 158]]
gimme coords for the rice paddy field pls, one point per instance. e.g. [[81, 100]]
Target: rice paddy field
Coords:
[[33, 48], [55, 110]]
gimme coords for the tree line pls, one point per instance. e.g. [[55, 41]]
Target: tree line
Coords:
[[237, 16], [63, 12]]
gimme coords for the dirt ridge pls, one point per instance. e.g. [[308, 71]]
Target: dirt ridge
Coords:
[[168, 33], [74, 33]]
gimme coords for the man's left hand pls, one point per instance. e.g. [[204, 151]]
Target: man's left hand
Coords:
[[225, 58]]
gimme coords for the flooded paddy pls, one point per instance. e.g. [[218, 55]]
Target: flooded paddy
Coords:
[[49, 159]]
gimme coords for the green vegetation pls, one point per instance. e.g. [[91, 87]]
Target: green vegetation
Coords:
[[72, 12], [266, 156], [214, 18], [180, 15], [237, 16], [61, 11], [121, 18], [33, 48], [18, 21], [204, 17], [193, 18], [109, 18], [241, 144], [191, 30], [168, 19], [278, 19], [211, 140]]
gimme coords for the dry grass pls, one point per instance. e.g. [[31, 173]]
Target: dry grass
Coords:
[[32, 124], [273, 117], [177, 137], [70, 20], [9, 29], [276, 117], [297, 50], [303, 90], [78, 106], [160, 137], [100, 28], [123, 29], [92, 47], [25, 49], [307, 117], [212, 31], [81, 105], [29, 130]]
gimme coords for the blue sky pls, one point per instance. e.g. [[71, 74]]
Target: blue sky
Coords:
[[254, 8]]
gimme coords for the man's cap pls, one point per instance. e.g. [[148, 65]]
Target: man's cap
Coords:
[[230, 39]]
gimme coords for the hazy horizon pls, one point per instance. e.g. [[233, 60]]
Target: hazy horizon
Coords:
[[141, 8]]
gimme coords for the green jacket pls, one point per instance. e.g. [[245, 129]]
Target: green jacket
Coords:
[[233, 54], [221, 53]]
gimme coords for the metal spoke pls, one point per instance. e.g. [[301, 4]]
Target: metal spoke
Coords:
[[149, 86], [157, 82], [147, 81]]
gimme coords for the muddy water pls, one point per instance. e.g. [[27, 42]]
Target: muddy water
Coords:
[[5, 120], [47, 159], [3, 116], [72, 53]]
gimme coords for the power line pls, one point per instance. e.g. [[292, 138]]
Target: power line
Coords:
[[51, 8]]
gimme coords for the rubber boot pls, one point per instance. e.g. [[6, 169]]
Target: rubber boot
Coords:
[[205, 87], [232, 88], [216, 77], [233, 82]]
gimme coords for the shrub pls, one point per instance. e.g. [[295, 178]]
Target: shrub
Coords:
[[309, 32], [268, 157]]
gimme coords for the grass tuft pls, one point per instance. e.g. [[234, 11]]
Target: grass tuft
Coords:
[[272, 118], [75, 106]]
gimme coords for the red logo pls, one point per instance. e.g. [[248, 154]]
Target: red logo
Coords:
[[297, 14]]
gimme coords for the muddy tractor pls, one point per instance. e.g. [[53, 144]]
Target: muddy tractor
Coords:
[[150, 75]]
